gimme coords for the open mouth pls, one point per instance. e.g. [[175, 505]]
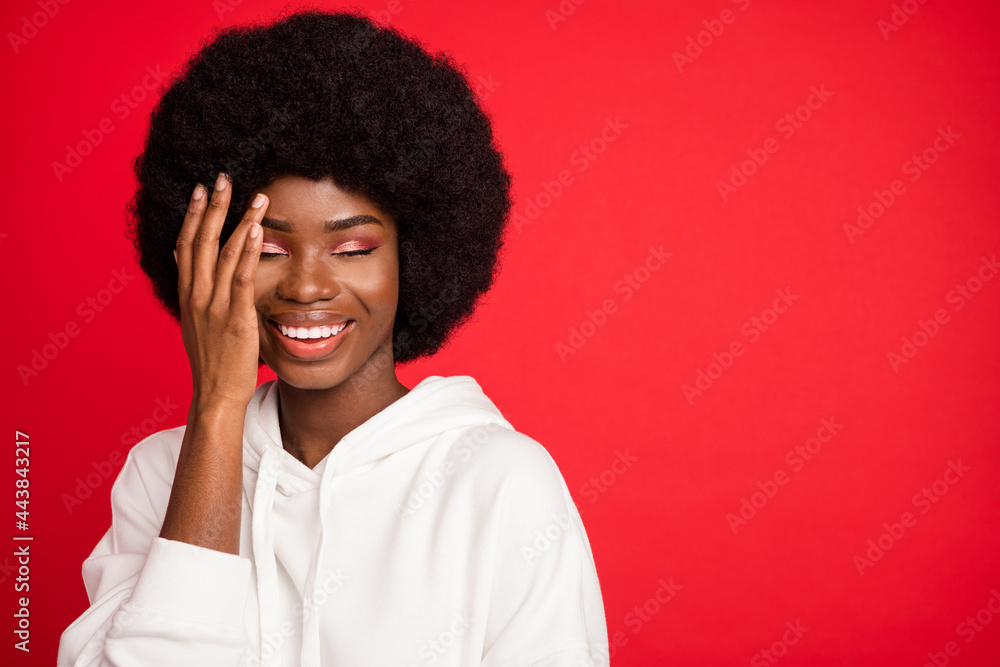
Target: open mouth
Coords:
[[306, 334], [310, 343]]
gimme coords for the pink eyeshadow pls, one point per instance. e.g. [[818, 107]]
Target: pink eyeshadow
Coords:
[[349, 246]]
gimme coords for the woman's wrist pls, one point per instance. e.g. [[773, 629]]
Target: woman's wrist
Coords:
[[212, 411]]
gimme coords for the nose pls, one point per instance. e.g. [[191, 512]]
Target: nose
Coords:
[[308, 279]]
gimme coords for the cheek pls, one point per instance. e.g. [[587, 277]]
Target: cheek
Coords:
[[375, 286], [383, 282]]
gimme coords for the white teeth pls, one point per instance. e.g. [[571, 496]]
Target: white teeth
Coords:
[[311, 332]]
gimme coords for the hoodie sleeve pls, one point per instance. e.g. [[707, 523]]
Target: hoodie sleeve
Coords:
[[155, 601], [546, 607]]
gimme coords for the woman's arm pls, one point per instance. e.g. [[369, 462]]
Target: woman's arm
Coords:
[[219, 326], [205, 499], [546, 608], [166, 583]]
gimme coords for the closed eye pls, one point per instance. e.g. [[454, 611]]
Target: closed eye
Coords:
[[349, 253], [355, 252]]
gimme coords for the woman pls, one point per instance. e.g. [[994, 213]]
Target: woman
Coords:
[[332, 516]]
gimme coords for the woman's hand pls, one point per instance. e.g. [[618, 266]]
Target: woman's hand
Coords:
[[216, 290]]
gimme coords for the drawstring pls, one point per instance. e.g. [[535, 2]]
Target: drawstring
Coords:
[[310, 611], [263, 556], [264, 426]]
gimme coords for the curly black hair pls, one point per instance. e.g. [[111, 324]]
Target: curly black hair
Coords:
[[320, 94]]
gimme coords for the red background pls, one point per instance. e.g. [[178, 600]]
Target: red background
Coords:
[[655, 184]]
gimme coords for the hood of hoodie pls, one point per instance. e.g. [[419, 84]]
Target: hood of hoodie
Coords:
[[434, 406]]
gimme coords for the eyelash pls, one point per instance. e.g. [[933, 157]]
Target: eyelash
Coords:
[[349, 253]]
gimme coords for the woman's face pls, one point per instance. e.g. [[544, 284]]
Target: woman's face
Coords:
[[328, 259]]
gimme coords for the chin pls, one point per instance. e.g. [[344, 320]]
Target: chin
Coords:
[[318, 376]]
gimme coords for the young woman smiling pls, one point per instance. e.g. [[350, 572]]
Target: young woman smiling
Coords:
[[332, 516]]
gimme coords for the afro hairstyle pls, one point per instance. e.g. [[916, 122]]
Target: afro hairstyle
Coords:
[[319, 94]]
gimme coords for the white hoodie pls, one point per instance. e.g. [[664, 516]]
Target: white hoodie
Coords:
[[432, 534]]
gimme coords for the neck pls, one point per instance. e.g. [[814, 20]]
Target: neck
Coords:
[[313, 421]]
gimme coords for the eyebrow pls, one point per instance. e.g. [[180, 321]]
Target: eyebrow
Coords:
[[328, 226]]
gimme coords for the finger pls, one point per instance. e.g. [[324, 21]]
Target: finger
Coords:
[[235, 249], [205, 247], [185, 240], [242, 297]]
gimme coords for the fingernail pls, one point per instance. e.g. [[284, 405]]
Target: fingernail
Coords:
[[258, 201], [199, 191], [254, 229], [175, 257], [220, 182]]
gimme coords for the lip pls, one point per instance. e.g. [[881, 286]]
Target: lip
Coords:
[[320, 348]]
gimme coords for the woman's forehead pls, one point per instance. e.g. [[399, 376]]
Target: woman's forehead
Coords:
[[297, 201]]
